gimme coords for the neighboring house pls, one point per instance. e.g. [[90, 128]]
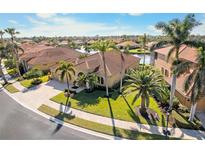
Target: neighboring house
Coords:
[[45, 58], [130, 44], [188, 54], [93, 63]]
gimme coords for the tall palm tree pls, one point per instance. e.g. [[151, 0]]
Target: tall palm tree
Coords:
[[104, 46], [2, 55], [145, 83], [66, 70], [14, 48], [177, 32], [143, 41], [12, 32], [194, 83], [1, 35]]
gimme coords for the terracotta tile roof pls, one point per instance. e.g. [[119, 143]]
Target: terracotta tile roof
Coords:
[[128, 43], [31, 50], [53, 55], [186, 53], [112, 60]]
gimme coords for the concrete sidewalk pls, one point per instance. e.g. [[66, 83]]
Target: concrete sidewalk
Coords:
[[38, 95]]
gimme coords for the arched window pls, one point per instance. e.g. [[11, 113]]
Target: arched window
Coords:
[[101, 80]]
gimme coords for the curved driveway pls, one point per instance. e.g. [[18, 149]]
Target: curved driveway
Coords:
[[17, 122]]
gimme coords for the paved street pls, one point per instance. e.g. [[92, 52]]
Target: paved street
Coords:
[[17, 122]]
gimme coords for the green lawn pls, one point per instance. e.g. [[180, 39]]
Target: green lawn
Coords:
[[121, 108], [27, 83], [117, 107], [99, 127], [10, 88], [138, 51], [12, 71]]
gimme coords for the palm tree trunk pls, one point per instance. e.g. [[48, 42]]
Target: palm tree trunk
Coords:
[[67, 81], [2, 73], [122, 72], [144, 57], [105, 71], [152, 58], [173, 88], [17, 64], [143, 106], [192, 112]]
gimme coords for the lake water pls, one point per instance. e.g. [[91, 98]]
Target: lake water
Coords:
[[147, 58]]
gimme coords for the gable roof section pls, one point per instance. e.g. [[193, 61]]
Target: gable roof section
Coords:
[[185, 52], [53, 55], [93, 63]]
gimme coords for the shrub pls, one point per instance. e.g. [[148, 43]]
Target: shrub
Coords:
[[9, 63], [99, 99], [36, 82], [33, 73]]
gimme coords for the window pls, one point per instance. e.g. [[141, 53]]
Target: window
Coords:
[[156, 55], [166, 73], [101, 81]]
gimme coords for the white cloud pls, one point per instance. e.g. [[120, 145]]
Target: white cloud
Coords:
[[45, 15], [13, 21], [153, 31], [135, 14], [68, 26], [200, 30]]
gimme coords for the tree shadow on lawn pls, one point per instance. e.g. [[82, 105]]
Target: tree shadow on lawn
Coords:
[[62, 116], [131, 112], [116, 132], [89, 99], [136, 118]]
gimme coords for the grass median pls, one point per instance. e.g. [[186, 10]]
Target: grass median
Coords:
[[114, 131], [10, 88]]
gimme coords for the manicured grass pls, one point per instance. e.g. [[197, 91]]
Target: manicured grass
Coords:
[[116, 107], [27, 83], [99, 127], [138, 51], [10, 88], [121, 108], [12, 71]]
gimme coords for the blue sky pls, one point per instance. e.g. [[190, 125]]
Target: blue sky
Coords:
[[89, 24]]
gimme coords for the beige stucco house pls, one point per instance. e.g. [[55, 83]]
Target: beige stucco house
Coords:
[[186, 53]]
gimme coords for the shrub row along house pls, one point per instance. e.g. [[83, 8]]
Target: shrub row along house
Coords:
[[185, 53], [48, 58]]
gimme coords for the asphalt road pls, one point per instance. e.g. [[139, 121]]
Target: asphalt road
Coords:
[[19, 123]]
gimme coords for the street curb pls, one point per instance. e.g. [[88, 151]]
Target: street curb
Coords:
[[57, 121]]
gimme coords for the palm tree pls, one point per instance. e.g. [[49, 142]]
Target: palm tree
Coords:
[[2, 55], [145, 83], [66, 70], [1, 34], [14, 48], [143, 41], [89, 80], [194, 83], [104, 46], [12, 32], [177, 32]]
